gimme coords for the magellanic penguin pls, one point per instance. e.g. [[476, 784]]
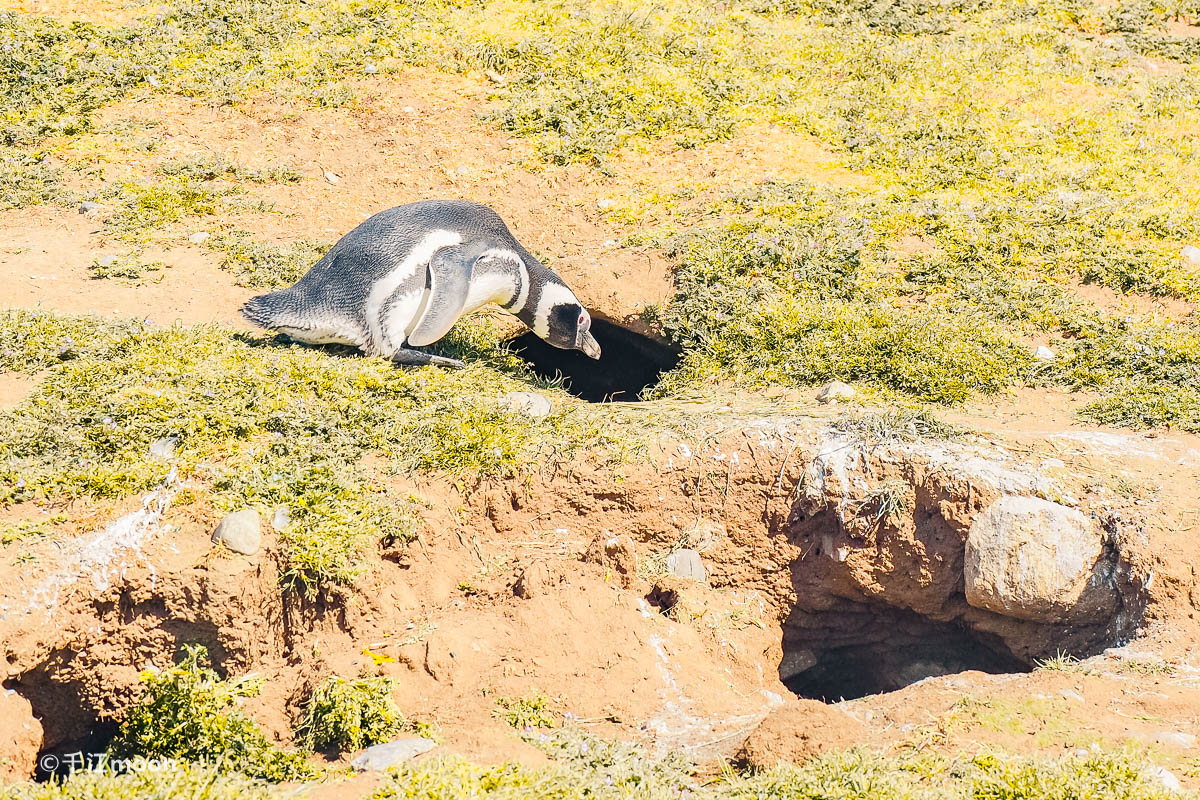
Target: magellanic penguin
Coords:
[[402, 279]]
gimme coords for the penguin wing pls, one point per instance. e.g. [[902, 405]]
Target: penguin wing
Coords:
[[449, 284]]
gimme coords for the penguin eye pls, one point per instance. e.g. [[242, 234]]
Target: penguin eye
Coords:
[[582, 318]]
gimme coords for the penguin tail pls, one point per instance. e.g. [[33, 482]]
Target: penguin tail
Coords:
[[274, 310]]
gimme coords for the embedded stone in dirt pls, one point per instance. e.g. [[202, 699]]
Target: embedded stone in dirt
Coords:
[[536, 580], [530, 403], [629, 363], [686, 563], [616, 553], [21, 738], [799, 731], [240, 531], [835, 390], [380, 757], [1032, 559]]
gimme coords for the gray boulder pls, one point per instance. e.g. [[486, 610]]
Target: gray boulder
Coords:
[[380, 757], [240, 531], [686, 563], [835, 390], [1032, 559]]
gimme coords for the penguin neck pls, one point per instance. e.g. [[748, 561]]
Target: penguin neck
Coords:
[[530, 288]]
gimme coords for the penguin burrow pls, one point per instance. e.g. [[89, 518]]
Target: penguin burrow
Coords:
[[402, 278]]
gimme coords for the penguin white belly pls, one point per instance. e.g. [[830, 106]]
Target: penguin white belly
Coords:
[[398, 317], [386, 317]]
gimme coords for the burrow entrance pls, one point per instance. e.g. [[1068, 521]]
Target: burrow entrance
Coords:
[[629, 363], [861, 649]]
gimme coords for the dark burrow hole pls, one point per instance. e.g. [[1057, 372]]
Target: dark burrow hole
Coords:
[[850, 653], [629, 363]]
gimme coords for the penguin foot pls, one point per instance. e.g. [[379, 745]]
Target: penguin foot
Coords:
[[417, 358]]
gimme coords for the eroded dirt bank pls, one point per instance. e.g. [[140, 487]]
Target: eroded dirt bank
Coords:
[[838, 564]]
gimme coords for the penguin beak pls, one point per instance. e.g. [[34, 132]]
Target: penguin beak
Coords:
[[590, 346]]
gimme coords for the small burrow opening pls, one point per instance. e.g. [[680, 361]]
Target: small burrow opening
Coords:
[[629, 363], [864, 649]]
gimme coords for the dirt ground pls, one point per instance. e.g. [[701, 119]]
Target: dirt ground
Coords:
[[698, 671]]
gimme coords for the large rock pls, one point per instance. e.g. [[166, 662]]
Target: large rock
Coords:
[[382, 756], [799, 731], [240, 531], [686, 563], [20, 738], [1032, 559]]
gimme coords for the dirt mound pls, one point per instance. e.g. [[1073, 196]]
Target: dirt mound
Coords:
[[797, 732]]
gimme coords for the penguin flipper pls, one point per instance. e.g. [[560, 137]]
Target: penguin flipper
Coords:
[[449, 284]]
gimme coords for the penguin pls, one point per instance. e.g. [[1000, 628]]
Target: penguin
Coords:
[[402, 278]]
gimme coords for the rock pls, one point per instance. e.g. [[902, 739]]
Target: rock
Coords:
[[1032, 559], [686, 563], [106, 261], [799, 731], [370, 69], [1164, 778], [1184, 741], [1071, 694], [380, 757], [200, 237], [795, 661], [240, 531], [615, 553], [1044, 353], [22, 738], [1191, 254], [88, 206], [530, 403], [281, 518], [604, 203], [835, 390], [537, 580]]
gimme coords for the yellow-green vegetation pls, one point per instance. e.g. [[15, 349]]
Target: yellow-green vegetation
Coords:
[[189, 713], [258, 422], [349, 715], [129, 266], [532, 711], [182, 782], [1043, 151], [267, 266]]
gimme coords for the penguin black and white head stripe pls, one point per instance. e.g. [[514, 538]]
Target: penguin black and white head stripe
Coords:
[[402, 279]]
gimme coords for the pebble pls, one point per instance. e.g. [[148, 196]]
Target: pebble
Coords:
[[380, 757], [1071, 694], [835, 390], [1191, 254], [199, 238], [370, 69], [530, 403], [332, 177], [240, 531], [1044, 353], [106, 261], [604, 203], [164, 448], [686, 563], [282, 518], [1165, 778], [1184, 741], [88, 206], [409, 110]]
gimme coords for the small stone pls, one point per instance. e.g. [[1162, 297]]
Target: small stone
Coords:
[[332, 177], [686, 563], [835, 390], [240, 531], [463, 170], [1165, 778], [88, 206], [1044, 353], [1191, 254], [409, 110], [604, 203], [529, 403], [370, 69], [610, 242], [164, 448], [494, 77], [200, 237], [380, 757], [1071, 694], [282, 518], [106, 261], [1184, 741]]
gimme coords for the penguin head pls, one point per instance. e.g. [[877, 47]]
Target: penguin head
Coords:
[[570, 328]]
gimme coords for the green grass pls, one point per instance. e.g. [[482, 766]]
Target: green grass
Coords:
[[262, 265], [191, 714], [532, 711], [182, 782], [348, 715], [265, 424]]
